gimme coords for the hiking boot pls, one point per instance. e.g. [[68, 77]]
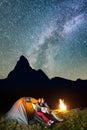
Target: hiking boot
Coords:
[[51, 121], [48, 123]]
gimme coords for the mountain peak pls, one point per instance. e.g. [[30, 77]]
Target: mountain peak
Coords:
[[24, 72], [23, 58], [20, 69], [23, 62]]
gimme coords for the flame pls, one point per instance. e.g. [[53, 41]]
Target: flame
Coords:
[[62, 106]]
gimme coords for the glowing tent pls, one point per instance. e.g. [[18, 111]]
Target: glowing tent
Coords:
[[22, 111]]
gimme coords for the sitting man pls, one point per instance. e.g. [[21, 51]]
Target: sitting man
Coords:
[[39, 109]]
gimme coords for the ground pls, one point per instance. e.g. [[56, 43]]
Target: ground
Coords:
[[74, 119]]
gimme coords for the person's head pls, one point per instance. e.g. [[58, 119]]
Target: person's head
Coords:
[[41, 100]]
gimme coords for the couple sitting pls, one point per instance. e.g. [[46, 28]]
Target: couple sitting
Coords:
[[41, 108], [28, 110]]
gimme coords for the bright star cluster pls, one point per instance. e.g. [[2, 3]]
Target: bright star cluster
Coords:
[[51, 34]]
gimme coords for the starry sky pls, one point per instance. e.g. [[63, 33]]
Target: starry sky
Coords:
[[51, 34]]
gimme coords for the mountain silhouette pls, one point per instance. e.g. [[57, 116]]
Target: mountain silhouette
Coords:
[[25, 81], [24, 72]]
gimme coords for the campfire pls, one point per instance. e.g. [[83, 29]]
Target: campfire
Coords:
[[62, 105]]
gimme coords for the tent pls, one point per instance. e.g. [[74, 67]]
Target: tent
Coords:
[[22, 111]]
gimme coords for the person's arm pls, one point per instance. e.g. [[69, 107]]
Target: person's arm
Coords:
[[56, 117], [44, 110]]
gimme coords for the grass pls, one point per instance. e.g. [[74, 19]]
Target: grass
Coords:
[[74, 119]]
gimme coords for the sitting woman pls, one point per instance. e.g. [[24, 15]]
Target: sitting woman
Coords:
[[41, 108], [45, 109]]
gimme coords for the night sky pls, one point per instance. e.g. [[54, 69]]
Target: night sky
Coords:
[[51, 34]]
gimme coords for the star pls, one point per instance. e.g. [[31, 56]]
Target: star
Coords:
[[52, 35]]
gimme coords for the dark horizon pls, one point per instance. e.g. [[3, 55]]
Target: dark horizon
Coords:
[[43, 72]]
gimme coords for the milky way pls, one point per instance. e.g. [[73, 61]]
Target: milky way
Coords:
[[51, 34]]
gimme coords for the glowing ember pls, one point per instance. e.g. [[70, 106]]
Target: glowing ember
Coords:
[[62, 106]]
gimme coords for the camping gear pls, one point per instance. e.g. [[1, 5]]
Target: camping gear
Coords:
[[23, 111]]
